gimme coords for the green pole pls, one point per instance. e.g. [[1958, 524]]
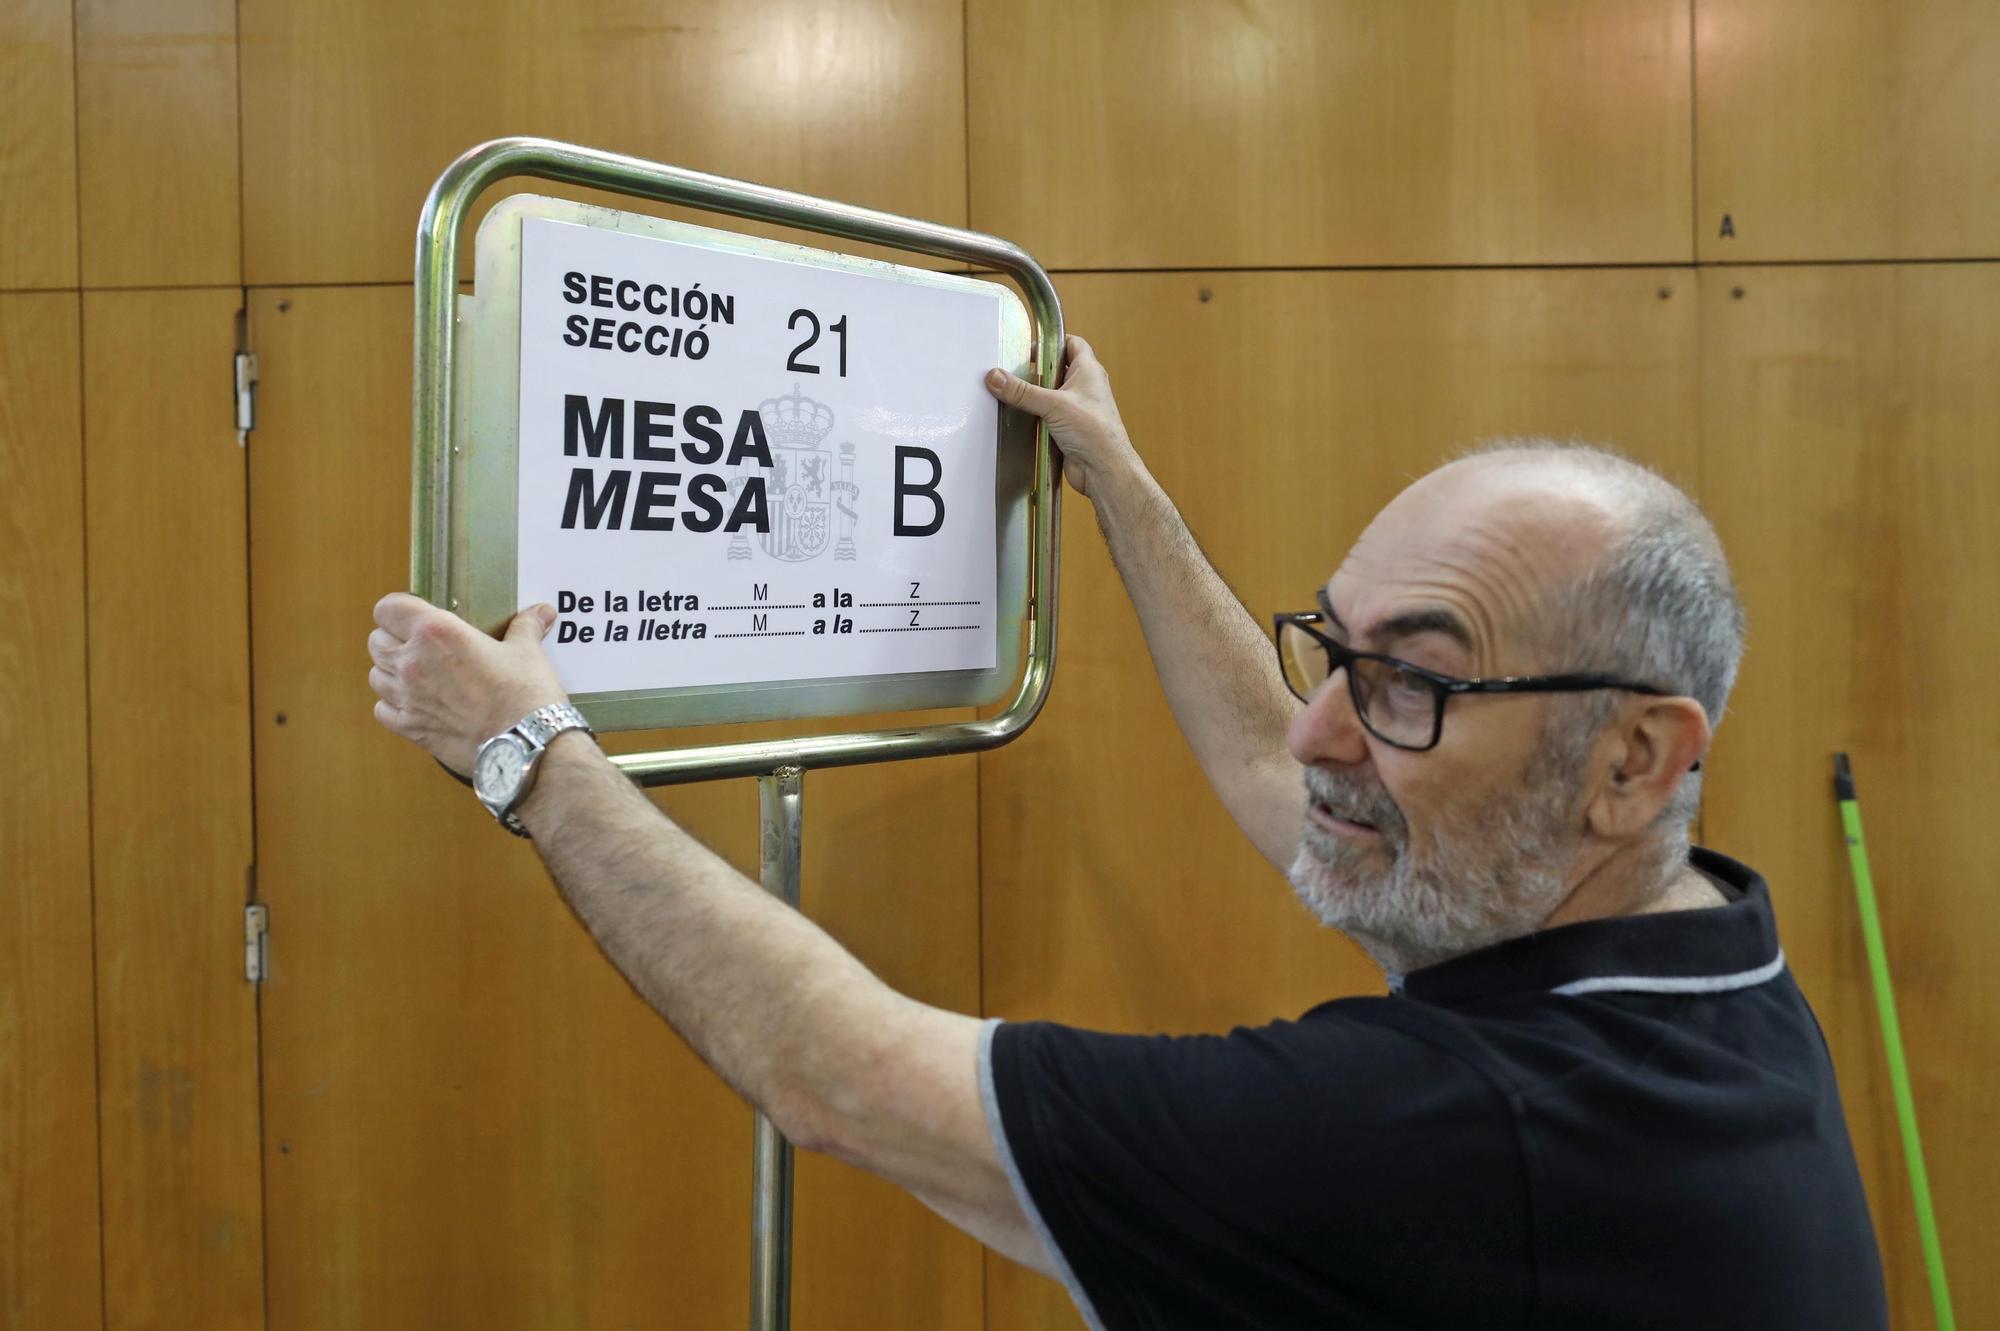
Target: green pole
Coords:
[[1892, 1039]]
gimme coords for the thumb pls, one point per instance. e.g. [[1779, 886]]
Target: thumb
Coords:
[[1017, 392], [531, 624]]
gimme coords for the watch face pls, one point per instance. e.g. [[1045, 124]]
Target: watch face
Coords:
[[497, 771]]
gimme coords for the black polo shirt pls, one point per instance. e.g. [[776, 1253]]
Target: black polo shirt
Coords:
[[1620, 1123]]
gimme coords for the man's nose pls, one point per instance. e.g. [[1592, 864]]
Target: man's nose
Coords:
[[1328, 729]]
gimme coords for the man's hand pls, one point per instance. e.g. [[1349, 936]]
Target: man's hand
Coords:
[[447, 686], [1081, 415]]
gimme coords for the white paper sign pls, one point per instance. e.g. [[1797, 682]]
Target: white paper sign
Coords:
[[736, 469]]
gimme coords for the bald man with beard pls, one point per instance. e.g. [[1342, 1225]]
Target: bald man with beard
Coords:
[[1593, 1097]]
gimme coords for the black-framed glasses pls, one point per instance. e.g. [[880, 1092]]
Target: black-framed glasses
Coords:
[[1400, 703]]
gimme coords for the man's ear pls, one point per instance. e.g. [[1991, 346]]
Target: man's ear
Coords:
[[1652, 745]]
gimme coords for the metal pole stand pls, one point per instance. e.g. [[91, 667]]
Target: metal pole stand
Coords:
[[779, 799]]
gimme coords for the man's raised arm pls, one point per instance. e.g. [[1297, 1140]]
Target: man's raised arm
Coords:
[[1214, 660]]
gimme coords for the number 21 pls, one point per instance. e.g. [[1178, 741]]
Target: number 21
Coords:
[[839, 326]]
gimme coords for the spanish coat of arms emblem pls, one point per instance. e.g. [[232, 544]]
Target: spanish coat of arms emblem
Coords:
[[808, 499]]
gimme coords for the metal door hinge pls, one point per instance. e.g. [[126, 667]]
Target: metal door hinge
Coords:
[[256, 943], [246, 396]]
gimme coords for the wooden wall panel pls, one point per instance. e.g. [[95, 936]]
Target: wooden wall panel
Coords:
[[892, 871], [1105, 134], [170, 786], [1281, 411], [156, 142], [1847, 129], [470, 1120], [49, 1273], [37, 146], [1849, 417], [352, 109]]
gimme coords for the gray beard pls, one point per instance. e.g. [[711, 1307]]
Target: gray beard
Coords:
[[1498, 873]]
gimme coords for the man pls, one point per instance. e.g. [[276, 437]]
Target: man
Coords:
[[1598, 1098]]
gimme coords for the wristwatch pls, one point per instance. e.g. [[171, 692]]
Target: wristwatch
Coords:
[[504, 771]]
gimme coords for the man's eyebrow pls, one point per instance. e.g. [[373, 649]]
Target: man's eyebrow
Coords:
[[1408, 624], [1412, 622]]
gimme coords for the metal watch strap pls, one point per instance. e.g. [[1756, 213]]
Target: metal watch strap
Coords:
[[545, 723], [540, 727]]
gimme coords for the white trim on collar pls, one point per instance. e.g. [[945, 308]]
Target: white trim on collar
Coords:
[[1675, 984]]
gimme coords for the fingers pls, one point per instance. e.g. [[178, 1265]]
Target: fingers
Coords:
[[1019, 393], [400, 612], [382, 646], [398, 722], [531, 624], [391, 719], [1015, 391], [387, 687]]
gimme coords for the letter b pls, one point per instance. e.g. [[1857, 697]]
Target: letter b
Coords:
[[923, 489]]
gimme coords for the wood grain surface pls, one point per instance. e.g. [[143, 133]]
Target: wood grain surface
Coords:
[[170, 799], [49, 1271], [1847, 129], [156, 143], [1293, 133], [37, 146], [353, 107]]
